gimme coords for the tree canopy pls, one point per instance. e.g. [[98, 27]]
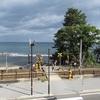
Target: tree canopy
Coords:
[[75, 28], [74, 17]]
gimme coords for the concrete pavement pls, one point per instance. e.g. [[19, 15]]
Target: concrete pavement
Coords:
[[58, 86], [65, 86]]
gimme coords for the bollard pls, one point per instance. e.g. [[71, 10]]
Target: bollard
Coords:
[[93, 72], [37, 67], [15, 74], [82, 83]]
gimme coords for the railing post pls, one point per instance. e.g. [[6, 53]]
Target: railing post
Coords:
[[29, 74], [16, 75], [1, 75]]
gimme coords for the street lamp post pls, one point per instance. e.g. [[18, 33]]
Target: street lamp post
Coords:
[[31, 45]]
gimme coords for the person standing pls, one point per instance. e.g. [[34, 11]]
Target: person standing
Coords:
[[55, 63]]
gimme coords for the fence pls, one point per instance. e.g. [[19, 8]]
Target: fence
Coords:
[[76, 72], [17, 75]]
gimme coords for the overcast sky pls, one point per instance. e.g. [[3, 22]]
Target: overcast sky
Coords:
[[39, 20]]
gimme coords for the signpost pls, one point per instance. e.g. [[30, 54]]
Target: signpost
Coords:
[[39, 59], [59, 55]]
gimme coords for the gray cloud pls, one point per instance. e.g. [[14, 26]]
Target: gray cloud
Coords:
[[24, 19]]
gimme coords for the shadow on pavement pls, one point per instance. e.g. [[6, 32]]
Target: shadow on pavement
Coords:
[[15, 90]]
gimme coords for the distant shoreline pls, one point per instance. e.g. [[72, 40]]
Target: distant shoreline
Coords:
[[9, 68]]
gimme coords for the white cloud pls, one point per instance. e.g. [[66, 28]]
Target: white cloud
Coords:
[[95, 12], [92, 4], [85, 4], [12, 3], [3, 30], [34, 18], [42, 21]]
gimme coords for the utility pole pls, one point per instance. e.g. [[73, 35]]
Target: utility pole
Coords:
[[80, 56], [48, 71]]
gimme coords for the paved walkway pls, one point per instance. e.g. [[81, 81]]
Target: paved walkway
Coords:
[[65, 86], [57, 86], [53, 76]]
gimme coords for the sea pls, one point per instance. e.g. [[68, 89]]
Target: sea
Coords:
[[16, 53]]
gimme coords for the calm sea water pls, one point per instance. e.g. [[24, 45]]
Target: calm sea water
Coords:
[[17, 52]]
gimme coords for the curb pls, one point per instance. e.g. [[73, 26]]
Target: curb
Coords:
[[84, 92], [85, 76], [17, 80], [89, 91], [31, 97], [8, 81]]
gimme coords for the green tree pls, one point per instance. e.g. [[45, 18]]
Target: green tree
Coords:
[[67, 39], [74, 17]]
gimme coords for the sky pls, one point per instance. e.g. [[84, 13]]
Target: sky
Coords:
[[39, 20]]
